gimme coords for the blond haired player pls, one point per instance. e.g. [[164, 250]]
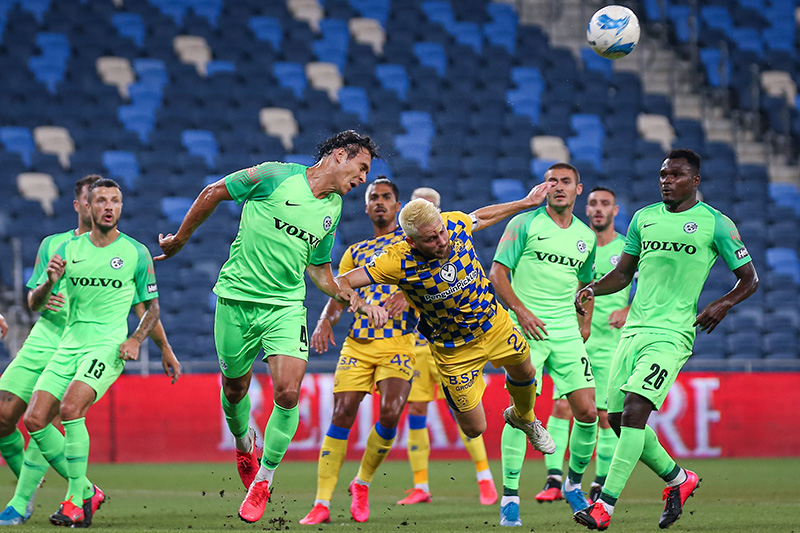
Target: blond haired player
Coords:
[[438, 270], [424, 391]]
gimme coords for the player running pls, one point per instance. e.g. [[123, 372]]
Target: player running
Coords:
[[287, 228], [549, 253], [437, 269], [424, 388], [16, 383], [370, 357], [608, 317], [674, 244], [102, 273]]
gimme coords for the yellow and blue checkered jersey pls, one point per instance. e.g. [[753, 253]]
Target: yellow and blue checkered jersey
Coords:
[[358, 255], [454, 298]]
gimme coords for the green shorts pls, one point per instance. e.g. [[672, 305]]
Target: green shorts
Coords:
[[241, 329], [97, 365], [21, 374], [646, 364], [601, 367], [566, 362]]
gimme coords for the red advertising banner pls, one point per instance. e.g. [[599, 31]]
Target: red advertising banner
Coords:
[[145, 419]]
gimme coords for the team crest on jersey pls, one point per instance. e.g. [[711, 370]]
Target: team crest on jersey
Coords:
[[116, 263], [614, 260], [448, 272], [462, 401], [327, 223], [581, 246], [458, 244], [690, 227]]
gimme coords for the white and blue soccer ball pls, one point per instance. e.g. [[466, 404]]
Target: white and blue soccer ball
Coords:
[[613, 32]]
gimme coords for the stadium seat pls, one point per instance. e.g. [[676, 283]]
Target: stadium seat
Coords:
[[54, 140], [550, 148], [431, 55], [309, 11], [193, 50], [291, 76], [175, 208], [412, 147], [122, 165], [38, 187], [368, 31], [18, 139], [393, 77], [116, 71], [507, 189], [202, 143], [130, 25], [325, 77], [354, 100]]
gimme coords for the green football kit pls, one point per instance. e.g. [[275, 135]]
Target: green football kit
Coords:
[[547, 262], [602, 343], [261, 287], [676, 252], [101, 285], [21, 374]]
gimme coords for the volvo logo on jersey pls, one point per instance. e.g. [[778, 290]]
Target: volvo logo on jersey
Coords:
[[298, 233], [96, 282], [669, 246], [558, 259]]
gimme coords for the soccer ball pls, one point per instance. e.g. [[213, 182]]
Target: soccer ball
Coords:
[[613, 32]]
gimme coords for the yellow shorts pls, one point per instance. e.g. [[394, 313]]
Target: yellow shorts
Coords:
[[426, 376], [365, 362], [461, 368]]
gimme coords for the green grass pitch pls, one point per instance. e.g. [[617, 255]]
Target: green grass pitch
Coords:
[[735, 496]]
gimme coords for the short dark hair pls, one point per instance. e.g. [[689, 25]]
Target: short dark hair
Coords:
[[565, 166], [351, 141], [605, 189], [383, 180], [104, 182], [690, 156], [86, 180]]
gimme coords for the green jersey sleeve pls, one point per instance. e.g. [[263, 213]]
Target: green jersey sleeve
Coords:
[[144, 277], [512, 243], [259, 182], [586, 271], [633, 242], [727, 242]]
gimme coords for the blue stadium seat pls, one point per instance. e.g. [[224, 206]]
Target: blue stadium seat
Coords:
[[18, 139], [151, 70], [175, 208], [594, 62], [745, 344], [507, 189], [781, 342], [708, 347], [393, 77], [122, 165], [784, 260], [48, 70], [145, 95], [415, 148], [138, 119], [202, 143], [267, 29], [130, 25], [418, 123], [540, 166], [354, 100], [431, 55], [291, 76], [717, 71]]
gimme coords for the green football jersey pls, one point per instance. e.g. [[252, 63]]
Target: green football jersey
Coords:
[[283, 229], [603, 336], [676, 252], [101, 284], [546, 263], [48, 329]]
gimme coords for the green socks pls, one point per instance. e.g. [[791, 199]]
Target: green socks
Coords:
[[559, 430], [237, 415], [51, 444], [655, 456], [514, 444], [33, 469], [76, 451], [629, 450], [12, 448], [606, 444], [581, 447], [280, 430]]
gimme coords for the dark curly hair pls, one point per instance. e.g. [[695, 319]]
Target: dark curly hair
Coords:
[[351, 141]]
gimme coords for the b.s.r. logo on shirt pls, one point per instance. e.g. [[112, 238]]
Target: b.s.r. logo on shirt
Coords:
[[741, 253], [690, 227], [116, 263], [448, 272], [614, 260], [327, 223], [581, 246]]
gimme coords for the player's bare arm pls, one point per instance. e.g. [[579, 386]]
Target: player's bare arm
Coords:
[[585, 320], [38, 297], [169, 361], [3, 327], [614, 281], [323, 331], [492, 214], [618, 318], [129, 350], [746, 285], [531, 325], [353, 280], [323, 279], [201, 209]]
